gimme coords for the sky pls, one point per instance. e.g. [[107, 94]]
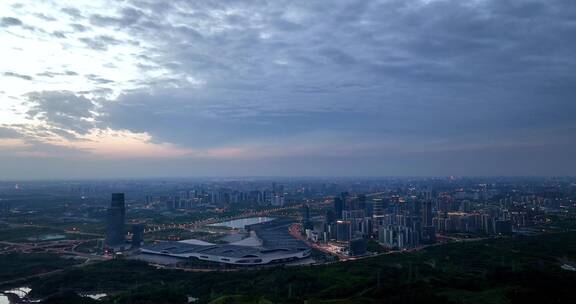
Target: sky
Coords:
[[146, 88]]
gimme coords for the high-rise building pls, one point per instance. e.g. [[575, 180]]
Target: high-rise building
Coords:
[[427, 214], [306, 217], [338, 207], [277, 201], [428, 229], [416, 222], [400, 237], [330, 216], [357, 247], [343, 231], [347, 203], [488, 224], [378, 207], [362, 201], [116, 219], [306, 213], [137, 235]]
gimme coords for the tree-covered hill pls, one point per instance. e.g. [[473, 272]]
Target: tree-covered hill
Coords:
[[507, 270]]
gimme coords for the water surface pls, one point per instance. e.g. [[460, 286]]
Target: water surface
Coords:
[[241, 223]]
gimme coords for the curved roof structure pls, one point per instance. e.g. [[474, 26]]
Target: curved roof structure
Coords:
[[269, 242], [229, 254]]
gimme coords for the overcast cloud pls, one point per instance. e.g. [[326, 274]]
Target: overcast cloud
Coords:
[[391, 87]]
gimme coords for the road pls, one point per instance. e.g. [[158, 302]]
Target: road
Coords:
[[296, 231]]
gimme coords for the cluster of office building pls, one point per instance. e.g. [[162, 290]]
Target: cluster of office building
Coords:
[[407, 225], [192, 199], [350, 222], [473, 222], [404, 222]]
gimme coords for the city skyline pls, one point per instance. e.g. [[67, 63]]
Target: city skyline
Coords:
[[109, 89], [392, 240]]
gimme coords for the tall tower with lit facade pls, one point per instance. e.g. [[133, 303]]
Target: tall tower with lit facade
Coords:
[[116, 221]]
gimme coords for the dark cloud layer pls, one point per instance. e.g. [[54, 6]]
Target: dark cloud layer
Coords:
[[63, 110], [438, 71], [488, 86]]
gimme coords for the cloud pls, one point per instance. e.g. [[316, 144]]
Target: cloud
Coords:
[[45, 17], [78, 27], [314, 78], [21, 76], [33, 140], [62, 109], [98, 79], [128, 16], [10, 21], [56, 74], [59, 34], [100, 42], [15, 22], [8, 133], [72, 12], [405, 71]]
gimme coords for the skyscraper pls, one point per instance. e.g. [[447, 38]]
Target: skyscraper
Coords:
[[416, 221], [338, 207], [345, 202], [116, 219], [428, 231], [330, 216], [362, 201], [378, 207], [306, 217], [137, 235], [427, 214], [277, 201], [343, 231]]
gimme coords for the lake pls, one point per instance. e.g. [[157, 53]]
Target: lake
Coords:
[[241, 223]]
